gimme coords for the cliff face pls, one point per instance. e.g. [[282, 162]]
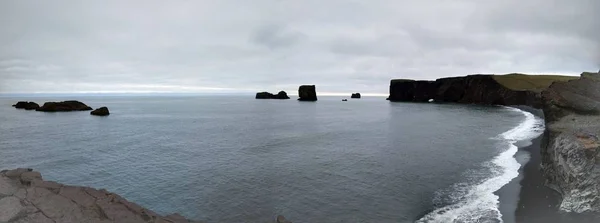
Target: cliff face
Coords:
[[473, 89], [571, 154], [307, 93]]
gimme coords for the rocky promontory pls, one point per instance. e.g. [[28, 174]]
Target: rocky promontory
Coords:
[[27, 105], [26, 197], [474, 89], [64, 106], [571, 150], [307, 93], [267, 95]]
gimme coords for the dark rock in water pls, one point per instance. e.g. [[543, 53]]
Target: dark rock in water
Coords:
[[472, 89], [64, 106], [344, 99], [571, 150], [307, 93], [355, 95], [27, 105], [281, 219], [103, 111], [267, 95]]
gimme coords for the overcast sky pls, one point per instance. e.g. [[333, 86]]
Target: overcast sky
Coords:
[[246, 46]]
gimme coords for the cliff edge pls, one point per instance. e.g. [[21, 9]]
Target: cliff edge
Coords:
[[510, 89], [571, 154], [26, 197]]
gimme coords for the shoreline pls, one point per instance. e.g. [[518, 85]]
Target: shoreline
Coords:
[[526, 198]]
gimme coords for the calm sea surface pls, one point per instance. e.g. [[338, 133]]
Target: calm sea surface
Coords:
[[237, 159]]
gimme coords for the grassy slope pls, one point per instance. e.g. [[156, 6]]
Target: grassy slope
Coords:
[[537, 83]]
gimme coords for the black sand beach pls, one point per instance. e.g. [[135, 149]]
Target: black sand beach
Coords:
[[526, 199]]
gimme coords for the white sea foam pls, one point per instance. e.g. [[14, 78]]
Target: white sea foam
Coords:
[[478, 203]]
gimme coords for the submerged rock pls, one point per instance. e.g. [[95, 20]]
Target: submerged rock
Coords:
[[307, 93], [32, 199], [102, 111], [64, 106], [27, 105], [267, 95], [355, 95]]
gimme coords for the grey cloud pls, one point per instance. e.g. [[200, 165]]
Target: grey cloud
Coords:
[[342, 46]]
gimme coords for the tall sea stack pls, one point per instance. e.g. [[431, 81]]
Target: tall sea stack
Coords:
[[307, 93]]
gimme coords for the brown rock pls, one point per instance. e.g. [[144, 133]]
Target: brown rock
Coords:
[[27, 105]]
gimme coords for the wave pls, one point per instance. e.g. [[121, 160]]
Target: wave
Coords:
[[478, 203]]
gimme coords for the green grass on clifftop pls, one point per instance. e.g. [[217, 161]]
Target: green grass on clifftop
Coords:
[[524, 82]]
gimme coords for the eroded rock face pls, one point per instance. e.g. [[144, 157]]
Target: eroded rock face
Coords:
[[64, 106], [307, 93], [26, 197], [472, 89], [355, 95], [102, 111], [27, 105], [571, 154], [267, 95]]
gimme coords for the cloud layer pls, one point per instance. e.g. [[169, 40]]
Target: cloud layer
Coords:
[[245, 46]]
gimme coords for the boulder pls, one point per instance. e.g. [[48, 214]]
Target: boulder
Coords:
[[103, 111], [355, 95], [27, 105], [267, 95], [64, 106], [307, 93]]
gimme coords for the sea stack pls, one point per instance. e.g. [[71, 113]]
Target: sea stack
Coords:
[[355, 95], [64, 106], [267, 95], [103, 111], [307, 93], [27, 105]]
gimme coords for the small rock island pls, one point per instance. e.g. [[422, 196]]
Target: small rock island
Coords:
[[27, 105], [267, 95], [355, 95], [102, 111], [307, 93], [64, 106]]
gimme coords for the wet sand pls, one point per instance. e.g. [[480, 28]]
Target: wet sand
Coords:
[[526, 199]]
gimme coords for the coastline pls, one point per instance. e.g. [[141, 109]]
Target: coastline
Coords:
[[526, 198]]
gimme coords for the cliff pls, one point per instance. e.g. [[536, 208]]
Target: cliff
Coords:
[[571, 150], [26, 197], [512, 89], [307, 93]]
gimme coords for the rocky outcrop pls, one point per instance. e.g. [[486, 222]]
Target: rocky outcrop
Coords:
[[27, 105], [307, 93], [472, 89], [355, 95], [102, 111], [26, 197], [64, 106], [267, 95], [571, 150]]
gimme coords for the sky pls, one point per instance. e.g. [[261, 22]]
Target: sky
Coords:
[[341, 46]]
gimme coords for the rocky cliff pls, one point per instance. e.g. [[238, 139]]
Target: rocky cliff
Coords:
[[571, 150], [472, 89], [26, 197], [307, 93]]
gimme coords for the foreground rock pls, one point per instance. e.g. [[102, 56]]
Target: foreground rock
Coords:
[[26, 197], [102, 111], [307, 93], [64, 106], [571, 154], [27, 105], [267, 95], [355, 95]]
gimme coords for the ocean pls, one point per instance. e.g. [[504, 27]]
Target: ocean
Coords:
[[231, 158]]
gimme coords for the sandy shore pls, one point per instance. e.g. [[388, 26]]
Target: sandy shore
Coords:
[[526, 199]]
